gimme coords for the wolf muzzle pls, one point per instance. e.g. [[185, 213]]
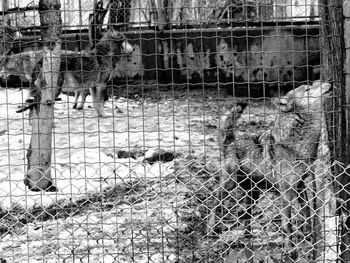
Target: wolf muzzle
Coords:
[[127, 48]]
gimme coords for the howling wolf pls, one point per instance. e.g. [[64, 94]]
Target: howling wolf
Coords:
[[282, 155]]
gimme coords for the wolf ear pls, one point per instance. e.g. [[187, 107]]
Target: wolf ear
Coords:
[[283, 104], [116, 34], [16, 33]]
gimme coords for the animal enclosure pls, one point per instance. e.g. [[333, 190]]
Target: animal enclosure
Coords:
[[173, 131]]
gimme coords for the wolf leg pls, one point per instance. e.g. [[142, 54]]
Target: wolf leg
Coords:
[[97, 94], [83, 95], [305, 208], [76, 97], [226, 184], [230, 164], [287, 195]]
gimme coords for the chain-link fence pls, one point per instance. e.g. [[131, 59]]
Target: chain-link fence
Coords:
[[198, 132]]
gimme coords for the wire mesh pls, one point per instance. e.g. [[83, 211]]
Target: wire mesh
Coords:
[[197, 133]]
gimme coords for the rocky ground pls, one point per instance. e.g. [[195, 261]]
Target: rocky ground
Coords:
[[118, 201]]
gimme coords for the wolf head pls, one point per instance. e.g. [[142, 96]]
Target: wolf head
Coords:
[[111, 47], [306, 97], [117, 42], [7, 37]]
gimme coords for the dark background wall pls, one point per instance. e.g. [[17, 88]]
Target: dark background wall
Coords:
[[256, 56]]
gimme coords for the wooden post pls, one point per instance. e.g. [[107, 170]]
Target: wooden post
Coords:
[[39, 153], [344, 179], [4, 5], [346, 37], [335, 28], [332, 52]]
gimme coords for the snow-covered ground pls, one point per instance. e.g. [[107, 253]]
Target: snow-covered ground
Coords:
[[110, 208], [84, 162], [85, 148]]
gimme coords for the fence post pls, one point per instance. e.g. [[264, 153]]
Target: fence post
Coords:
[[336, 64], [344, 181], [39, 152], [346, 14], [4, 5]]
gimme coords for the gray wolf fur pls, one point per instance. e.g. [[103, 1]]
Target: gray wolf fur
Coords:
[[80, 72], [92, 70], [8, 35], [282, 155], [24, 65]]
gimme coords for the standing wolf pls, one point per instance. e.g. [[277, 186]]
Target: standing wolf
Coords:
[[87, 70], [282, 155], [81, 72], [93, 69]]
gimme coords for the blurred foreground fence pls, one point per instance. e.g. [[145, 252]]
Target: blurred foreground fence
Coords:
[[179, 154]]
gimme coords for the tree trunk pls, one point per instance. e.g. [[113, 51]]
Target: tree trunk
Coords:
[[4, 5], [334, 64], [4, 18], [39, 152], [96, 22], [344, 178]]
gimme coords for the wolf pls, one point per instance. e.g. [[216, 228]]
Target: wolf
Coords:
[[86, 71], [8, 36], [92, 70], [21, 65], [24, 65], [80, 72], [282, 155], [27, 64]]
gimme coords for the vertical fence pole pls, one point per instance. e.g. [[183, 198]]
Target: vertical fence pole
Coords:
[[335, 25], [39, 151], [345, 193], [4, 5], [5, 18], [346, 14], [332, 68]]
